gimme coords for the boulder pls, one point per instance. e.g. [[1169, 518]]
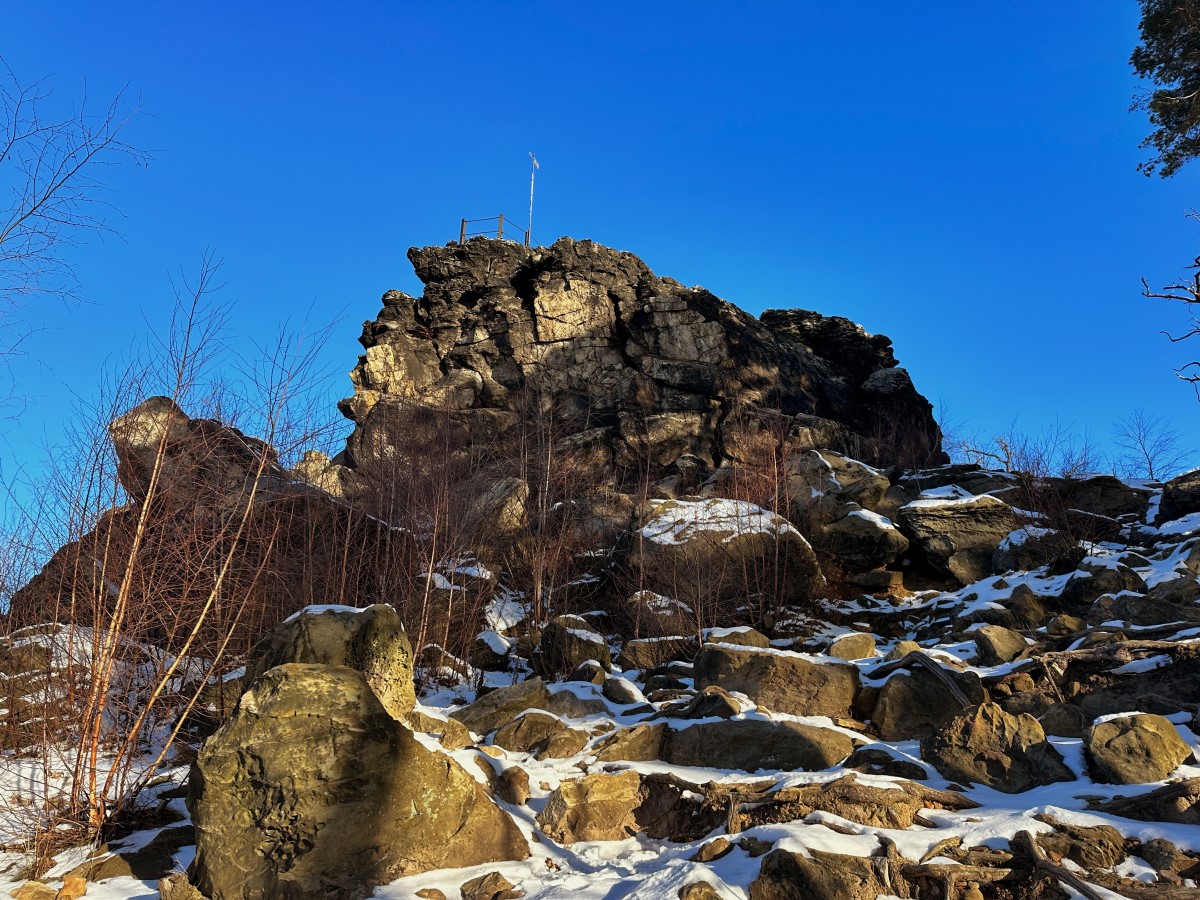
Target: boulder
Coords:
[[996, 644], [597, 807], [649, 653], [779, 680], [861, 541], [985, 745], [492, 886], [498, 510], [634, 744], [958, 536], [312, 789], [1094, 579], [1180, 496], [569, 641], [541, 734], [1134, 749], [824, 485], [502, 705], [916, 704], [785, 875], [754, 744], [853, 646], [724, 552], [371, 640]]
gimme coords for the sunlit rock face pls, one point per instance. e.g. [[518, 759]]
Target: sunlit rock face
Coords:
[[639, 371]]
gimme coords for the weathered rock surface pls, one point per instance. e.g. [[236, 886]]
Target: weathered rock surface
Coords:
[[778, 680], [996, 644], [298, 545], [861, 541], [785, 875], [640, 367], [725, 552], [985, 745], [1134, 749], [958, 536], [312, 789], [755, 744], [371, 641], [502, 705], [1180, 496], [916, 704], [568, 642], [597, 807]]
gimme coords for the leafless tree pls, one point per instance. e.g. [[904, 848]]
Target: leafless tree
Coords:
[[1147, 446], [50, 162], [1184, 290]]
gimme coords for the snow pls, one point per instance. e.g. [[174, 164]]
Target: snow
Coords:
[[679, 521], [1185, 525], [318, 609], [1147, 664], [872, 517]]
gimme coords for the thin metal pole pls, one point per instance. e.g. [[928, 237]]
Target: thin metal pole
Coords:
[[532, 171], [500, 228]]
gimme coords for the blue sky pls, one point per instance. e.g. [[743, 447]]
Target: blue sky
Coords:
[[960, 177]]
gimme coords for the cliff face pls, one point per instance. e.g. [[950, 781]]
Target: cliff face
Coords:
[[637, 367]]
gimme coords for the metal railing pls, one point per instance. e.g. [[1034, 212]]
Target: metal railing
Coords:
[[497, 232]]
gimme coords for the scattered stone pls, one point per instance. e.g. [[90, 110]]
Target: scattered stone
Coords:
[[875, 760], [33, 890], [73, 888], [755, 847], [512, 786], [312, 788], [1134, 749], [742, 636], [1178, 802], [958, 536], [996, 644], [853, 646], [431, 894], [714, 849], [650, 653], [1064, 720], [861, 541], [902, 649], [451, 733], [636, 744], [711, 702], [985, 745], [622, 691], [785, 875], [1091, 846], [698, 890], [492, 886], [174, 887]]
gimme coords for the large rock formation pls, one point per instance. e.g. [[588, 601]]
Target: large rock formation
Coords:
[[638, 371]]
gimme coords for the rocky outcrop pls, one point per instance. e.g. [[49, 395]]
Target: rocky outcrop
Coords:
[[312, 789], [215, 491], [638, 370]]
